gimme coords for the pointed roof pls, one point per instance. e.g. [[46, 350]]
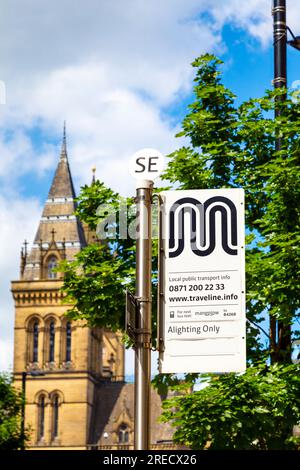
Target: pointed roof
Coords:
[[62, 185], [58, 220]]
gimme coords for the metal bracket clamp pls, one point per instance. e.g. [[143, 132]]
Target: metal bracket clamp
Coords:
[[132, 308], [278, 80], [142, 331], [145, 344], [141, 299], [158, 197], [279, 9], [161, 345], [139, 198]]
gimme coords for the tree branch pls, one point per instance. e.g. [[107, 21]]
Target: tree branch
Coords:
[[259, 327]]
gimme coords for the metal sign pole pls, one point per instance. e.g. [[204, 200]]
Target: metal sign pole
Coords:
[[143, 320]]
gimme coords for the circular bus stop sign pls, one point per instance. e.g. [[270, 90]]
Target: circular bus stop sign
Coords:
[[146, 164]]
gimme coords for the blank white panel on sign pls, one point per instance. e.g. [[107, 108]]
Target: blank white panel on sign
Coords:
[[205, 364], [203, 347], [202, 281]]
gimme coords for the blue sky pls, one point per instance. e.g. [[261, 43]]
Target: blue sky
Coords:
[[247, 70], [119, 73]]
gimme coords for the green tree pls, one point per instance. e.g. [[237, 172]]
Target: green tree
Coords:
[[255, 410], [11, 400], [234, 146], [95, 282]]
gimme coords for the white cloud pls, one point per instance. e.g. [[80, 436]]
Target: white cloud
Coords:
[[6, 348], [108, 71], [108, 68], [106, 125], [18, 220], [17, 152], [254, 16]]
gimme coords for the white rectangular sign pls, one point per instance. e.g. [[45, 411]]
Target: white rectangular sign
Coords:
[[202, 323]]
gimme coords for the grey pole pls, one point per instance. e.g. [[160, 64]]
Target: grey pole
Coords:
[[143, 321]]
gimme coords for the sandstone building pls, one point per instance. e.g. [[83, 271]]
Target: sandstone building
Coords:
[[76, 396]]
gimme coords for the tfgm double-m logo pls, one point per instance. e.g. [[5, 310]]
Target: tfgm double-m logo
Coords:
[[202, 219]]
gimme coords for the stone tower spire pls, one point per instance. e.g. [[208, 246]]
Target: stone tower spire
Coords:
[[63, 362], [63, 153], [62, 184], [60, 232]]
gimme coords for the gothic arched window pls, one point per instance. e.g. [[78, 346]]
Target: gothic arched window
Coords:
[[35, 344], [123, 434], [41, 417], [68, 341], [55, 411], [52, 264], [51, 341]]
